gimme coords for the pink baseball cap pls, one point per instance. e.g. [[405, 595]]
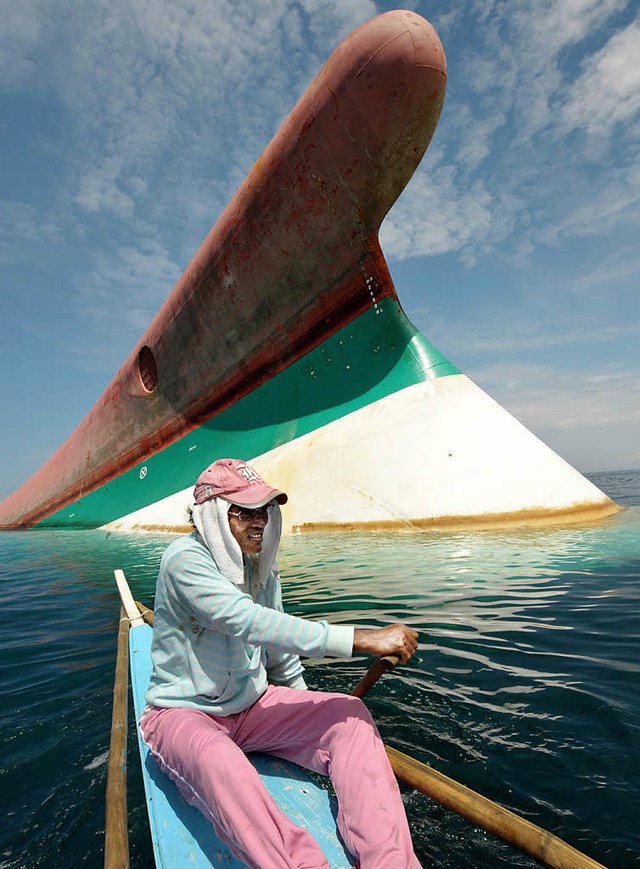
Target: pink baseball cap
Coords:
[[237, 482]]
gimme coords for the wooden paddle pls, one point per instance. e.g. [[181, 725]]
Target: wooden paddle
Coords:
[[379, 666], [543, 846]]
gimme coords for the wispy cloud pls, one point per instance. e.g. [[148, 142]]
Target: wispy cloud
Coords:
[[123, 291], [607, 93], [581, 416], [23, 30], [100, 190], [560, 399], [524, 336], [510, 163], [433, 217], [169, 91], [25, 232]]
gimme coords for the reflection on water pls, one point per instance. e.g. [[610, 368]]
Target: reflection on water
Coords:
[[524, 686]]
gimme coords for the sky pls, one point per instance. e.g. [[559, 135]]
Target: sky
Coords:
[[128, 125]]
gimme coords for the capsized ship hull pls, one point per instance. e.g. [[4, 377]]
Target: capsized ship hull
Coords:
[[284, 343]]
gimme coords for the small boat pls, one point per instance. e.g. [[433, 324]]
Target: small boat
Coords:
[[180, 834]]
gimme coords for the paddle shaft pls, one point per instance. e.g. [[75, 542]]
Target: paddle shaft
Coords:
[[116, 831], [379, 666]]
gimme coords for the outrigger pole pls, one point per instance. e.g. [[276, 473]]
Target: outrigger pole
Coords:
[[116, 832]]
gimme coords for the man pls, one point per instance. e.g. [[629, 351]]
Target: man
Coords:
[[227, 679]]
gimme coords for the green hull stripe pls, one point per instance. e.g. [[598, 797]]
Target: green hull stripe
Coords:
[[376, 355]]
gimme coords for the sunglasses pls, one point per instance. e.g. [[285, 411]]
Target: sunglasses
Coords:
[[246, 515]]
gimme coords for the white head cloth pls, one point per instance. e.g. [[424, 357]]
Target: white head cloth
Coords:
[[212, 524]]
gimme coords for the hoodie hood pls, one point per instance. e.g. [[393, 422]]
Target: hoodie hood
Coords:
[[212, 524]]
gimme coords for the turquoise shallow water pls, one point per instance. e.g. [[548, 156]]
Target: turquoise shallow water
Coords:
[[525, 688]]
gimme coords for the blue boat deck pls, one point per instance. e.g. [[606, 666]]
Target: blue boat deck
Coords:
[[182, 836]]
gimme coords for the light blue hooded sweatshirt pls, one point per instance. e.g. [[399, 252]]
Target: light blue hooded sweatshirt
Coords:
[[219, 640]]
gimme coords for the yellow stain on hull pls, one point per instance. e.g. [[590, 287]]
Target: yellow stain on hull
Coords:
[[529, 518]]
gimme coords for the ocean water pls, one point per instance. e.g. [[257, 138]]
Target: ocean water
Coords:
[[526, 686]]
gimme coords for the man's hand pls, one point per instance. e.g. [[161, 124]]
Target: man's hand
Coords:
[[399, 640]]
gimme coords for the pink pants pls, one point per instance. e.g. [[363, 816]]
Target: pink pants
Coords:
[[332, 734]]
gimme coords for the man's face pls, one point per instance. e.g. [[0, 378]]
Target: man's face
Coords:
[[247, 526]]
